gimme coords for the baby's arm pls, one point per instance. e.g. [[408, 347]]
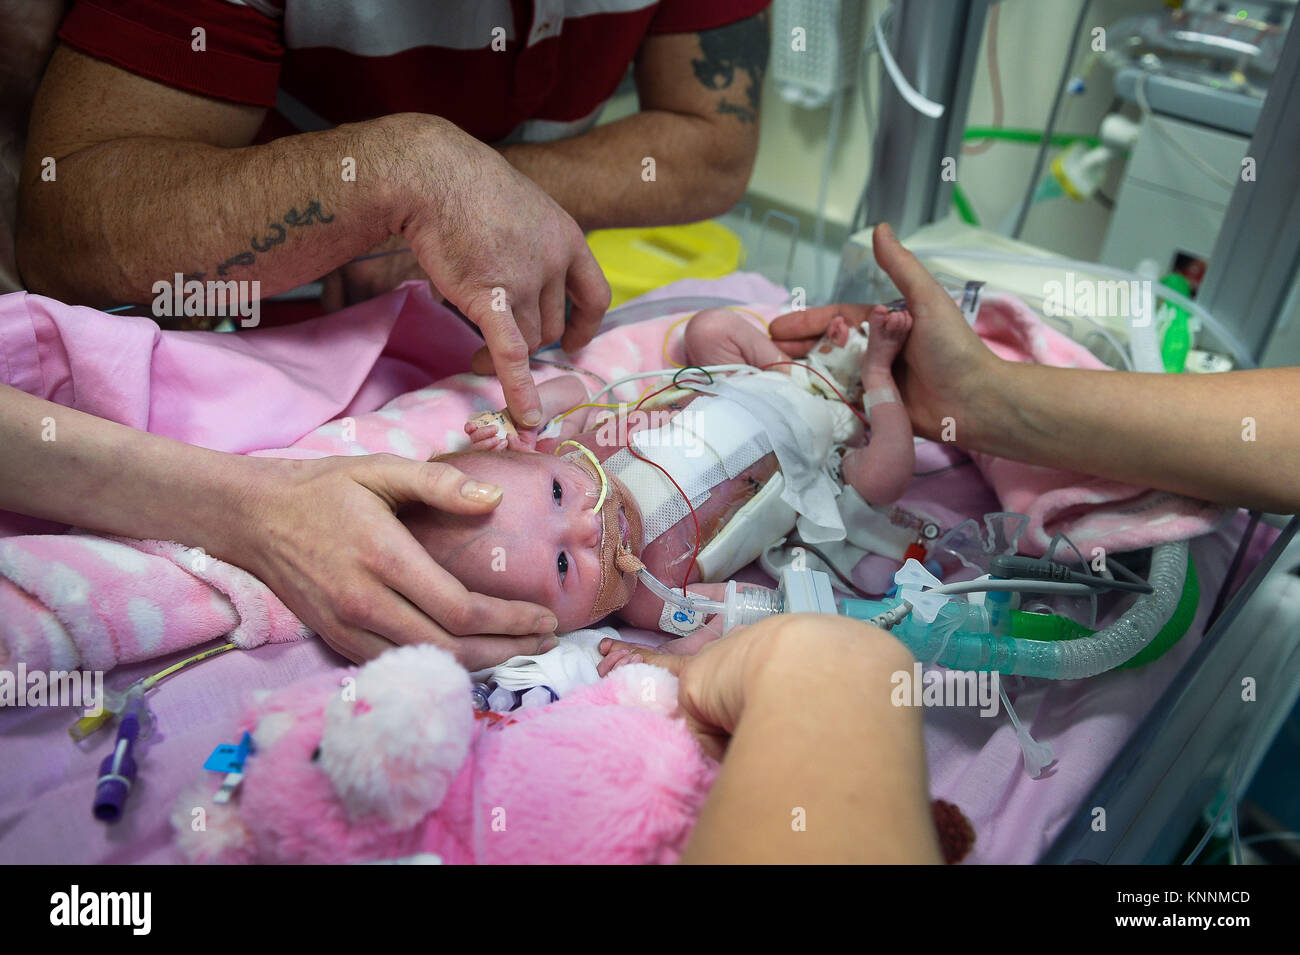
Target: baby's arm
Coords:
[[881, 470], [492, 430]]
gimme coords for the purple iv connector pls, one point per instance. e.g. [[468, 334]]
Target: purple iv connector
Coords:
[[117, 771]]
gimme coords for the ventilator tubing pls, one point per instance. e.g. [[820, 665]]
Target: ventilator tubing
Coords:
[[959, 638]]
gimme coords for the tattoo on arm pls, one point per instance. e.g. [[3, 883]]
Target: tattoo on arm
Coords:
[[275, 234], [740, 47]]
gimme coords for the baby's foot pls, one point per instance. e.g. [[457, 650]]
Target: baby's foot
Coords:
[[889, 331]]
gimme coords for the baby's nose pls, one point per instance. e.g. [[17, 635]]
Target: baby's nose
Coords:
[[587, 527]]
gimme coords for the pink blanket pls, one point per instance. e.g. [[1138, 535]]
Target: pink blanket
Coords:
[[72, 601]]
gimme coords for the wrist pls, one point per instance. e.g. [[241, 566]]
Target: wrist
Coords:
[[996, 400], [233, 502], [418, 156]]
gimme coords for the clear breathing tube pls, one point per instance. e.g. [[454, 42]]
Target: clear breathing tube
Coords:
[[744, 603]]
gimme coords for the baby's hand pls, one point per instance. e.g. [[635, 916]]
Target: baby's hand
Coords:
[[490, 430], [485, 436], [494, 431]]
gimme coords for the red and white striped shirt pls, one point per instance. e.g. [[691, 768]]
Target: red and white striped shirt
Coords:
[[503, 70]]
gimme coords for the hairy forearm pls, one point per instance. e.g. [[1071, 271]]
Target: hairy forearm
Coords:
[[124, 214], [602, 178], [822, 767], [1233, 438], [67, 466]]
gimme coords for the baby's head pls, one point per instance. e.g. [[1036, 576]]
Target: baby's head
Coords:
[[543, 543]]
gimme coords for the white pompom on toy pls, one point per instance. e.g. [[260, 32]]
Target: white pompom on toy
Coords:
[[640, 684], [394, 741]]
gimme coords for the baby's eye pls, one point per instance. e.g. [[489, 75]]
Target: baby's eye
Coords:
[[557, 492], [562, 564]]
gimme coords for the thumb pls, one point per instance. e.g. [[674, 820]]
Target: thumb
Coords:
[[918, 286], [398, 480]]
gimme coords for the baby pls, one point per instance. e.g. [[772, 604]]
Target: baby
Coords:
[[745, 438]]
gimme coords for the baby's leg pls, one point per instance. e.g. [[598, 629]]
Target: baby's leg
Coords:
[[880, 472], [718, 336]]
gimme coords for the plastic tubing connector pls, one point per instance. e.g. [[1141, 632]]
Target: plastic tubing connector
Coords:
[[744, 603]]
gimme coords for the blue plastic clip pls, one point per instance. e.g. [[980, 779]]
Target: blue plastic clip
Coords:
[[229, 757]]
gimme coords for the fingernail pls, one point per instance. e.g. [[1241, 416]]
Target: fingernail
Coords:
[[888, 232], [532, 419], [478, 491], [546, 623]]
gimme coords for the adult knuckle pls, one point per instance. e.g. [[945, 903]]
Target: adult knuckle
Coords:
[[513, 351], [351, 605], [459, 617]]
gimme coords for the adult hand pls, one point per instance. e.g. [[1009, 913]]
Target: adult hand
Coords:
[[323, 536], [803, 706], [713, 683], [503, 252], [945, 370], [382, 269]]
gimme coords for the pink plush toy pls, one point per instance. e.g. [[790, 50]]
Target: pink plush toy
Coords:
[[388, 761]]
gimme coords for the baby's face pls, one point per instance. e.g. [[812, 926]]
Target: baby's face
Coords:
[[541, 543]]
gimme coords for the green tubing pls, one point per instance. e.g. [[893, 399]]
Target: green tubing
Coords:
[[960, 200], [1180, 621], [963, 206], [1045, 626], [1050, 626], [1016, 135]]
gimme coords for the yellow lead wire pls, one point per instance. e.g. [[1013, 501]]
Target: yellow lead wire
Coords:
[[604, 481]]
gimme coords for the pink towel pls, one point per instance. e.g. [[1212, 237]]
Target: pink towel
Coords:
[[1092, 512]]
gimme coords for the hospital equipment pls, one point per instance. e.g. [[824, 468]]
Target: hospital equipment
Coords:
[[815, 51], [118, 770], [1198, 741]]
